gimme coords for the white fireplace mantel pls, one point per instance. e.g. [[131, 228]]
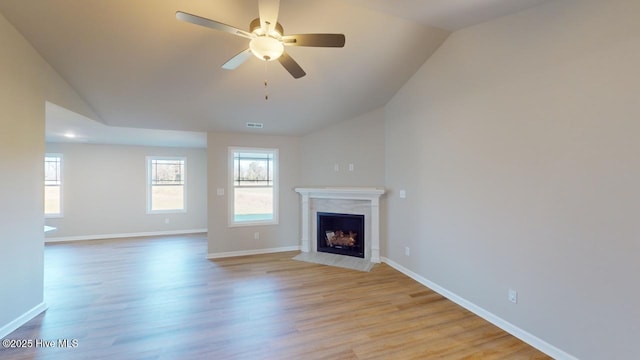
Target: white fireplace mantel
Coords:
[[370, 194]]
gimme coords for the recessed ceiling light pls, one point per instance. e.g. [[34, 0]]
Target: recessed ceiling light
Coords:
[[70, 135]]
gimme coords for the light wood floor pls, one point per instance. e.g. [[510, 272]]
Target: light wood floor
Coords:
[[159, 298]]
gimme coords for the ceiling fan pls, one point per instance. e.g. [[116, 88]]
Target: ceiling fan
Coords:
[[267, 39]]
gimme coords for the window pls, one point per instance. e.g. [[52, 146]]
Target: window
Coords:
[[253, 179], [53, 185], [166, 179]]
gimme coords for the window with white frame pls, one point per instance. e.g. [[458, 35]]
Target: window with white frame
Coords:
[[253, 180], [166, 184], [53, 185]]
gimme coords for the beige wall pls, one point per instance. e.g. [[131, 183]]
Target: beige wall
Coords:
[[304, 161], [517, 143], [26, 82], [104, 191], [358, 141], [223, 239]]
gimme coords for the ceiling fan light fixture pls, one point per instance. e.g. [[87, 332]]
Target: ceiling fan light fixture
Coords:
[[266, 48]]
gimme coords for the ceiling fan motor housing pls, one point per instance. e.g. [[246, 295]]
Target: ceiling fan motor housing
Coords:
[[255, 28]]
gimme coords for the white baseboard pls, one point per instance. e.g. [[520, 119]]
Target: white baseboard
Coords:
[[117, 236], [525, 336], [22, 319], [252, 252]]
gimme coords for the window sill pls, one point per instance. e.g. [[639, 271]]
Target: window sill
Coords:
[[253, 223], [160, 212]]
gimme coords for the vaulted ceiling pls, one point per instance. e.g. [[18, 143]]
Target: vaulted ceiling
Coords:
[[137, 66]]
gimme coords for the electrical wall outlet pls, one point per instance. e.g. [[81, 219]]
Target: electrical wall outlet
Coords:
[[513, 296], [256, 235], [336, 167], [166, 220], [407, 251], [350, 167]]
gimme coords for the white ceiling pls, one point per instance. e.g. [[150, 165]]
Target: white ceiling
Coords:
[[450, 15], [66, 126], [137, 66]]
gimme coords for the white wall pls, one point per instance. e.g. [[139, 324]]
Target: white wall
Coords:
[[104, 191], [26, 82], [223, 239], [358, 141], [517, 143]]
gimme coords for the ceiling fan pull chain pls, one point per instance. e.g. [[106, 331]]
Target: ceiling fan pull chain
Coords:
[[266, 93]]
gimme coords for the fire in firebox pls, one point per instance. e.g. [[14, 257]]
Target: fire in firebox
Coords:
[[341, 238], [341, 234]]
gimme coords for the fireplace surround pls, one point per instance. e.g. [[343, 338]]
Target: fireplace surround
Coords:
[[364, 201]]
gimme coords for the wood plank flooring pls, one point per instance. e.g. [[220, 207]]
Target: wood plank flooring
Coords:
[[159, 298]]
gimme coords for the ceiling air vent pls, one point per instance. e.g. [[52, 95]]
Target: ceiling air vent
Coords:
[[253, 125]]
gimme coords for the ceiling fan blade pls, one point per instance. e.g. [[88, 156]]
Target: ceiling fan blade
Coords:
[[318, 40], [198, 20], [237, 60], [291, 65], [268, 10]]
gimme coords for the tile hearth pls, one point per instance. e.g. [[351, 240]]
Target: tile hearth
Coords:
[[347, 262]]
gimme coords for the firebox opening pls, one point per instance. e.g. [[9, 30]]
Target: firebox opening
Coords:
[[341, 234]]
